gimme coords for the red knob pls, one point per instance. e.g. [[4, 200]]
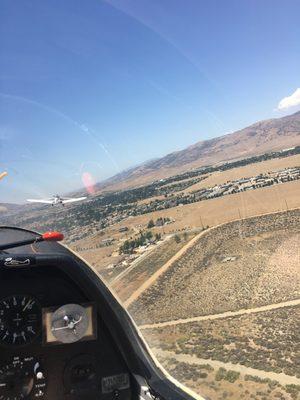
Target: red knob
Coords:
[[53, 236]]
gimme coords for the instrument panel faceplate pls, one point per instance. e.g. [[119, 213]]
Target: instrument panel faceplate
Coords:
[[85, 363]]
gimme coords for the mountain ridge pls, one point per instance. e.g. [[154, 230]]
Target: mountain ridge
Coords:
[[260, 137]]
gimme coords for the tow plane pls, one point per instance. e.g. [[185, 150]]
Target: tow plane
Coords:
[[56, 200]]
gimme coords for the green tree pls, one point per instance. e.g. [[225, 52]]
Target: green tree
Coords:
[[149, 235], [150, 224], [157, 236], [177, 239]]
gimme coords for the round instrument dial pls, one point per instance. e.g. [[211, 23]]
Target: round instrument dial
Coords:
[[16, 382], [20, 320], [69, 323], [22, 378]]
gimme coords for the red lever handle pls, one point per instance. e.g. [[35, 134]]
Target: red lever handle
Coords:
[[52, 236]]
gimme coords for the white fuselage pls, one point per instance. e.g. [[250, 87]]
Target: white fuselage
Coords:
[[57, 200]]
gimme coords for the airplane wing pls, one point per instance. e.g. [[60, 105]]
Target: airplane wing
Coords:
[[73, 200], [40, 201]]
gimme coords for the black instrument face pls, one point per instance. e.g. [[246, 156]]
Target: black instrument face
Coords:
[[20, 320], [16, 383], [22, 378]]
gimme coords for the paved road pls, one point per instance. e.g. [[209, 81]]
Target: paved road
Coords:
[[283, 379], [226, 314]]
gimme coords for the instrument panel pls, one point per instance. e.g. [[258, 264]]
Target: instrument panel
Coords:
[[53, 341], [21, 318]]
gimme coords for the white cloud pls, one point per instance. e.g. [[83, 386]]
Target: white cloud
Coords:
[[290, 101]]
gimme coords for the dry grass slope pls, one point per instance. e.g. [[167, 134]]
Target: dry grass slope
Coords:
[[242, 264]]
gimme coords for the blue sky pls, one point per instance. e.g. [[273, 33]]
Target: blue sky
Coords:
[[99, 86]]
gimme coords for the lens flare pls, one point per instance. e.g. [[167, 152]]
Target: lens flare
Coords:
[[88, 182]]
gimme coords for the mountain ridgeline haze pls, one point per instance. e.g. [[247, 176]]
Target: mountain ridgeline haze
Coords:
[[261, 137]]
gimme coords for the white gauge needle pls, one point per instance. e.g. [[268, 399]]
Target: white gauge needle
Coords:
[[70, 325], [30, 302]]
